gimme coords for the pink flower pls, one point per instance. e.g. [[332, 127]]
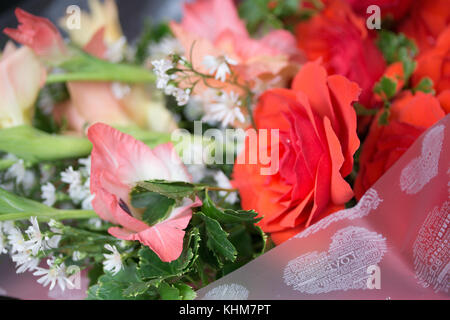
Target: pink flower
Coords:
[[39, 34], [118, 162], [215, 27]]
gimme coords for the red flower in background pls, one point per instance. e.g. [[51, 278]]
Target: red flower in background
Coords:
[[435, 63], [318, 138], [410, 116], [39, 34], [341, 39], [395, 9], [426, 20]]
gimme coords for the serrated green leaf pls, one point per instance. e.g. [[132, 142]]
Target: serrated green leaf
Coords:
[[172, 189], [227, 215], [136, 289], [157, 207], [185, 291], [425, 85], [217, 240], [168, 292], [386, 87], [112, 287], [151, 266]]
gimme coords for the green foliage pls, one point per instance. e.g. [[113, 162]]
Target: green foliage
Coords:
[[264, 15], [217, 241], [386, 87], [397, 47], [425, 85], [157, 207]]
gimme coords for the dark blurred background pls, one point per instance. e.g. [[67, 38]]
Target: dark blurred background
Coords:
[[133, 13]]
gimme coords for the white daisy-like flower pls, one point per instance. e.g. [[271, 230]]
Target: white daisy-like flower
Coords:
[[48, 194], [160, 67], [181, 95], [120, 90], [55, 274], [36, 240], [16, 240], [225, 109], [197, 171], [113, 261], [86, 204], [25, 261], [86, 165], [116, 50], [165, 47], [95, 222], [77, 256], [19, 173], [2, 240], [220, 66], [223, 182], [71, 176], [7, 226]]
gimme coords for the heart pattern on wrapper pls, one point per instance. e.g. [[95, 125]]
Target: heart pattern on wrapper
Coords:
[[352, 250]]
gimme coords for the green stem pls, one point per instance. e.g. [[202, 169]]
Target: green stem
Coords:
[[106, 76], [56, 215]]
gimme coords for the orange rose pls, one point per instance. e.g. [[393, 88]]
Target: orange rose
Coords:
[[427, 19], [341, 39], [317, 140], [410, 116], [435, 63]]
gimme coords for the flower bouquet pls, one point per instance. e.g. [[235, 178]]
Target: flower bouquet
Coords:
[[156, 167]]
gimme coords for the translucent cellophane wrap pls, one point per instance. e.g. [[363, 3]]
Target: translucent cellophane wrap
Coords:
[[394, 244]]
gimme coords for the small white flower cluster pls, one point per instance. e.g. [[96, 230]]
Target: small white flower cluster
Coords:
[[79, 185], [24, 250], [164, 81], [224, 108], [220, 66], [113, 261], [223, 182], [166, 46], [19, 174], [115, 51]]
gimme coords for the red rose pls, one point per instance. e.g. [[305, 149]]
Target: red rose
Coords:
[[341, 39], [410, 116], [317, 141]]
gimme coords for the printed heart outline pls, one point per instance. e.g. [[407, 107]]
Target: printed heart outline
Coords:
[[420, 170], [231, 291], [344, 267], [368, 202]]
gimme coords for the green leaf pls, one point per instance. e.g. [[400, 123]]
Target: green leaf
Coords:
[[157, 206], [186, 292], [425, 85], [114, 287], [172, 189], [383, 120], [14, 207], [34, 145], [151, 266], [228, 215], [385, 87], [218, 241], [135, 289], [168, 292], [395, 46]]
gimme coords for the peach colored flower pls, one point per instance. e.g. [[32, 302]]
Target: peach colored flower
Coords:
[[21, 77], [118, 162]]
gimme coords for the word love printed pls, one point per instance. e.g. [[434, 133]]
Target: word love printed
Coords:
[[352, 251]]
